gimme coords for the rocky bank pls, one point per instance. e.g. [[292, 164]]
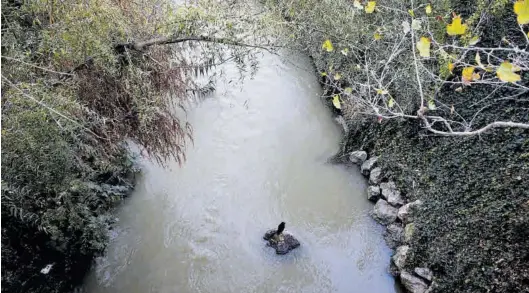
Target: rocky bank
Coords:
[[455, 210]]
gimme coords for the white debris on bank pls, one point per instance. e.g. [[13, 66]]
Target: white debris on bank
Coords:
[[46, 269]]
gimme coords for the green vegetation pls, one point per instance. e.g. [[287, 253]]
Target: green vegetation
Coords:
[[81, 79], [428, 124], [395, 59]]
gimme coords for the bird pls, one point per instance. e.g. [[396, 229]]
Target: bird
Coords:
[[280, 229]]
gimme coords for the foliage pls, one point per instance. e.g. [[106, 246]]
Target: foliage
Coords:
[[473, 232], [417, 51], [76, 89]]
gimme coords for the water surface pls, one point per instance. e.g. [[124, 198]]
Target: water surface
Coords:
[[259, 158]]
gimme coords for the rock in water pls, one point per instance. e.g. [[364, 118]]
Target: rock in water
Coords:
[[425, 273], [376, 176], [407, 211], [400, 257], [358, 157], [282, 243], [412, 283], [368, 165], [394, 235], [391, 194], [384, 213], [373, 193]]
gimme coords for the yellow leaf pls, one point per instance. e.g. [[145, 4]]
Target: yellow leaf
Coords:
[[424, 47], [336, 102], [370, 7], [506, 72], [411, 13], [456, 28], [468, 75], [476, 76], [358, 5], [345, 51], [451, 67], [348, 90], [327, 46], [323, 73], [428, 9], [337, 76], [382, 92], [377, 36], [521, 8]]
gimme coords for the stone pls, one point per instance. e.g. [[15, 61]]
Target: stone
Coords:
[[376, 176], [412, 283], [394, 235], [358, 157], [384, 213], [373, 193], [408, 232], [391, 194], [400, 256], [368, 165], [283, 244], [432, 288], [407, 211], [424, 273]]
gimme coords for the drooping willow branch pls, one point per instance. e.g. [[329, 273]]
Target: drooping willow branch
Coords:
[[140, 46]]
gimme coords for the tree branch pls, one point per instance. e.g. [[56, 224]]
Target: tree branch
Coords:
[[496, 124], [140, 46]]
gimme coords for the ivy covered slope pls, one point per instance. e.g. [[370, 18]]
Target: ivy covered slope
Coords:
[[439, 90]]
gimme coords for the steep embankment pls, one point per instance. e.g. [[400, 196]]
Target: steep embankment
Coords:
[[473, 228]]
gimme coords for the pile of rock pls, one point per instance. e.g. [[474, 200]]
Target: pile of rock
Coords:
[[281, 243], [392, 211]]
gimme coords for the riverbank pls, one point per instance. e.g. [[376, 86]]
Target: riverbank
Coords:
[[472, 229]]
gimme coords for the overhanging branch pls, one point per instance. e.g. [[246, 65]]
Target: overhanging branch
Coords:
[[495, 124], [140, 46]]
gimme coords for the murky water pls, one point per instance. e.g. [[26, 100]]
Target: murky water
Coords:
[[259, 158]]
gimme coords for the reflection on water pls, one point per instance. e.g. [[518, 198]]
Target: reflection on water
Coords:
[[259, 158]]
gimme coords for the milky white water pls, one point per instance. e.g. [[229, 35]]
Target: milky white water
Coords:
[[259, 158]]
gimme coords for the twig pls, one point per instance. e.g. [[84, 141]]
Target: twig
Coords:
[[36, 66]]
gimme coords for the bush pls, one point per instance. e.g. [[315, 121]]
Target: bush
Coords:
[[404, 59]]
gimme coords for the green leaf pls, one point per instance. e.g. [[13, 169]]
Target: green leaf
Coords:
[[431, 105], [391, 102]]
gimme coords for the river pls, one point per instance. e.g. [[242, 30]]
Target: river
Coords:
[[259, 157]]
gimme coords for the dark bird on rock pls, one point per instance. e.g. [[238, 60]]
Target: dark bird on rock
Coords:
[[280, 228]]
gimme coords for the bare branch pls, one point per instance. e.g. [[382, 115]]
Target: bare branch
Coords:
[[140, 46]]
